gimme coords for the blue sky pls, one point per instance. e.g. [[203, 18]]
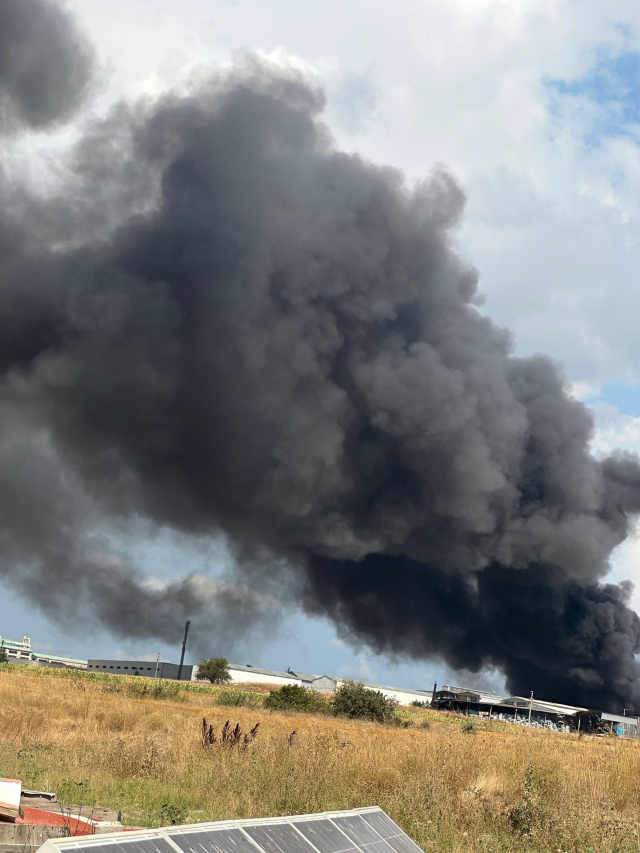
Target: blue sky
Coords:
[[613, 83]]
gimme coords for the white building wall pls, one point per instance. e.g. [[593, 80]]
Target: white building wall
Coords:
[[239, 676], [242, 676], [402, 697]]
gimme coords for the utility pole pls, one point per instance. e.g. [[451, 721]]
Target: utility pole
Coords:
[[157, 665], [184, 646], [530, 706]]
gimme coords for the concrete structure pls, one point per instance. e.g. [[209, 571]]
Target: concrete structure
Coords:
[[22, 653], [248, 674], [15, 649], [324, 684], [149, 669]]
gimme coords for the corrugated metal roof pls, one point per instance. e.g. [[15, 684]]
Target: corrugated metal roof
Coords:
[[421, 693], [541, 705], [304, 676], [258, 671], [616, 718], [484, 694]]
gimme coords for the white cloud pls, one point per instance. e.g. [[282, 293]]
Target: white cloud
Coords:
[[614, 430]]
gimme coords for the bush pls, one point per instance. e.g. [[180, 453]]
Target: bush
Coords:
[[146, 688], [236, 698], [291, 697], [418, 704], [4, 657], [353, 699], [215, 670], [468, 727]]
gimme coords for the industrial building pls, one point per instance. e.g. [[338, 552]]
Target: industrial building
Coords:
[[533, 712], [248, 674], [149, 669], [20, 651], [401, 695]]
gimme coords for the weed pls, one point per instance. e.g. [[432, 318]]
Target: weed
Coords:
[[173, 813], [229, 737]]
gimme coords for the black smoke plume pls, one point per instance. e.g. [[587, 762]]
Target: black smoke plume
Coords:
[[222, 324]]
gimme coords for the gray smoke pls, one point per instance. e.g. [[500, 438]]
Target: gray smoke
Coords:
[[46, 64], [278, 343]]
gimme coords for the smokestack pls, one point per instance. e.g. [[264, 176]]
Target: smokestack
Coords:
[[222, 325], [184, 646]]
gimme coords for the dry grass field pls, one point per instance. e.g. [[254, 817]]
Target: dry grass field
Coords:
[[494, 788]]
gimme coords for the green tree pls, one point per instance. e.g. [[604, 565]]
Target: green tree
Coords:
[[353, 699], [215, 670], [4, 657]]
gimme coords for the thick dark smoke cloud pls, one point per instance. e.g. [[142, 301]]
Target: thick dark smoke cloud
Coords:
[[46, 63], [279, 343]]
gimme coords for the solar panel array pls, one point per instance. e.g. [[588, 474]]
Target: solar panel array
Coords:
[[367, 830]]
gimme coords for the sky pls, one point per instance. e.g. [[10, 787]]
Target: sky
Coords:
[[534, 105]]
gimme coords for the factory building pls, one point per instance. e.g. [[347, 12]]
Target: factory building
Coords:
[[534, 712], [247, 674], [149, 669], [20, 652], [401, 695]]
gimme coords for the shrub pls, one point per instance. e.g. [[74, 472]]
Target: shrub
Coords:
[[467, 727], [353, 699], [236, 698], [291, 697], [215, 670], [151, 689], [4, 657], [418, 704]]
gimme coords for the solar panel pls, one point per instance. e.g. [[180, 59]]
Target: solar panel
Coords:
[[213, 841], [278, 838], [121, 843], [325, 836], [377, 847], [403, 844], [356, 829], [367, 830], [382, 824]]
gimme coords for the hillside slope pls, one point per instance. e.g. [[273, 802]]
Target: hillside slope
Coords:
[[492, 788]]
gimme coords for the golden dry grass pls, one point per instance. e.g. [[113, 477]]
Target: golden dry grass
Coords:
[[498, 788]]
